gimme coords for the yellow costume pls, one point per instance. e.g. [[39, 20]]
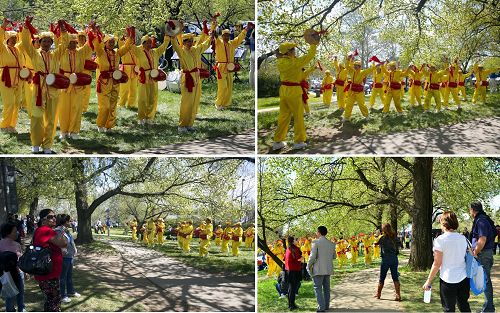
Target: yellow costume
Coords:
[[160, 230], [11, 62], [342, 253], [340, 83], [305, 76], [452, 85], [224, 54], [353, 242], [226, 238], [128, 90], [237, 234], [292, 94], [27, 85], [148, 88], [376, 247], [368, 249], [107, 87], [416, 86], [44, 106], [461, 83], [433, 79], [481, 82], [179, 235], [271, 264], [279, 251], [188, 236], [356, 92], [306, 250], [144, 231], [205, 236], [151, 231], [218, 235], [190, 80], [249, 236], [327, 86], [442, 86], [86, 89], [377, 90], [394, 88], [133, 228]]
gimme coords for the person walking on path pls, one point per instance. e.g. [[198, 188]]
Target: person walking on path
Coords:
[[483, 236], [389, 253], [449, 260], [320, 267]]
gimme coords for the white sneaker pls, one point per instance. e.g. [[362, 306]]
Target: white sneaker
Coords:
[[282, 296], [344, 120], [278, 145], [63, 135], [76, 295], [148, 121], [182, 129], [101, 129], [35, 149], [75, 136], [459, 107], [299, 146], [219, 108], [66, 300], [142, 122]]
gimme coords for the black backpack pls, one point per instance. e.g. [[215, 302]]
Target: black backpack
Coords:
[[36, 260]]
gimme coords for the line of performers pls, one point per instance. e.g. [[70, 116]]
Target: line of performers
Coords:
[[345, 248], [54, 84], [388, 85]]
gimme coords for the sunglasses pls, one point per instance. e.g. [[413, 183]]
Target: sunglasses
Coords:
[[49, 217]]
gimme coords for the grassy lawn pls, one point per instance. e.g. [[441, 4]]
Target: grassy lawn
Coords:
[[323, 117], [96, 296], [127, 136]]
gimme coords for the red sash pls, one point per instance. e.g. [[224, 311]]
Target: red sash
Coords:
[[328, 86], [378, 85], [303, 84], [461, 84], [434, 86], [189, 78], [356, 87], [339, 82], [485, 83], [417, 83], [394, 85], [452, 85], [236, 238], [103, 75]]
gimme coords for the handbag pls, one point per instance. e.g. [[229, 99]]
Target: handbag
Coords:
[[9, 288], [36, 260], [475, 272]]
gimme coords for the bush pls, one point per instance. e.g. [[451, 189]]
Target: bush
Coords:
[[268, 81]]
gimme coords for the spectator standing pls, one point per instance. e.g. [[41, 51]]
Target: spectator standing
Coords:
[[10, 245]]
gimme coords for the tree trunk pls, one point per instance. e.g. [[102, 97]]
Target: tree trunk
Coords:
[[34, 206], [379, 216], [394, 217], [263, 246], [421, 257], [82, 206]]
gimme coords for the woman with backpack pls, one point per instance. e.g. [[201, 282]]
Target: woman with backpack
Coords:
[[449, 259], [389, 253], [10, 251], [46, 237]]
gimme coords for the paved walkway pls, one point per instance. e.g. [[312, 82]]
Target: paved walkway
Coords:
[[163, 283], [243, 143], [477, 137]]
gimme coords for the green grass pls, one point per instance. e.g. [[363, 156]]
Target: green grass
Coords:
[[128, 137], [323, 117], [96, 296], [271, 102]]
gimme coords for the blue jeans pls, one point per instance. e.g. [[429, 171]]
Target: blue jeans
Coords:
[[486, 259], [9, 302], [66, 279], [322, 291], [389, 262]]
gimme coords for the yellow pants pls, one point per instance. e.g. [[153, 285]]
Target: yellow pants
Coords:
[[190, 102], [236, 247], [327, 96], [355, 97], [415, 94], [70, 110], [368, 255], [291, 105], [106, 100], [43, 122], [376, 252], [180, 241], [461, 90], [377, 92], [145, 238], [307, 109], [148, 100], [479, 92], [28, 96], [273, 269], [186, 245], [392, 94], [218, 241], [224, 90], [86, 98], [354, 257], [432, 93], [224, 247], [249, 242], [134, 234], [342, 260], [11, 99], [454, 93], [204, 245], [340, 97], [441, 92], [159, 237], [128, 93]]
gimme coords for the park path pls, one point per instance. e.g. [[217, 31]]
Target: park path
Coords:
[[479, 136], [243, 143], [162, 283]]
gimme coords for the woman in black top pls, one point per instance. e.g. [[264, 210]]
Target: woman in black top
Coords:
[[389, 254]]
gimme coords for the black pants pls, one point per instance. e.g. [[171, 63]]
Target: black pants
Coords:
[[294, 278], [452, 294]]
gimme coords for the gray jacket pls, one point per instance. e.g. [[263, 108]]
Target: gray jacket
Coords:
[[70, 251], [321, 258]]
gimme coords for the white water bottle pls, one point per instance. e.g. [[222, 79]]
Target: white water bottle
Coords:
[[427, 295]]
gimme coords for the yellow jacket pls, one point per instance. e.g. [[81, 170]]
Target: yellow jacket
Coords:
[[73, 61], [238, 232], [148, 60], [434, 77], [249, 232], [377, 77], [395, 76], [11, 57], [224, 52], [291, 68], [482, 75], [129, 61], [327, 80], [228, 233], [114, 55], [341, 74]]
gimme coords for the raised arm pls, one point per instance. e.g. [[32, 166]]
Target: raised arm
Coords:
[[238, 40], [305, 59], [63, 44], [26, 43], [161, 49], [126, 48], [176, 46]]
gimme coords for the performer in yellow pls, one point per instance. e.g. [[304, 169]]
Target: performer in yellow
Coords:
[[151, 231], [11, 62], [133, 228], [188, 232], [416, 76], [82, 40], [45, 61], [189, 57], [433, 79], [306, 249], [224, 54], [272, 267], [179, 234], [293, 95], [452, 84], [226, 237], [128, 90], [148, 59], [340, 83], [442, 86], [327, 86], [394, 89], [306, 73], [205, 236], [353, 243], [160, 230], [218, 235], [108, 59], [355, 89], [367, 243], [481, 82], [27, 85], [376, 245], [249, 236], [237, 234], [377, 90], [144, 231], [70, 100], [279, 251], [461, 83]]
